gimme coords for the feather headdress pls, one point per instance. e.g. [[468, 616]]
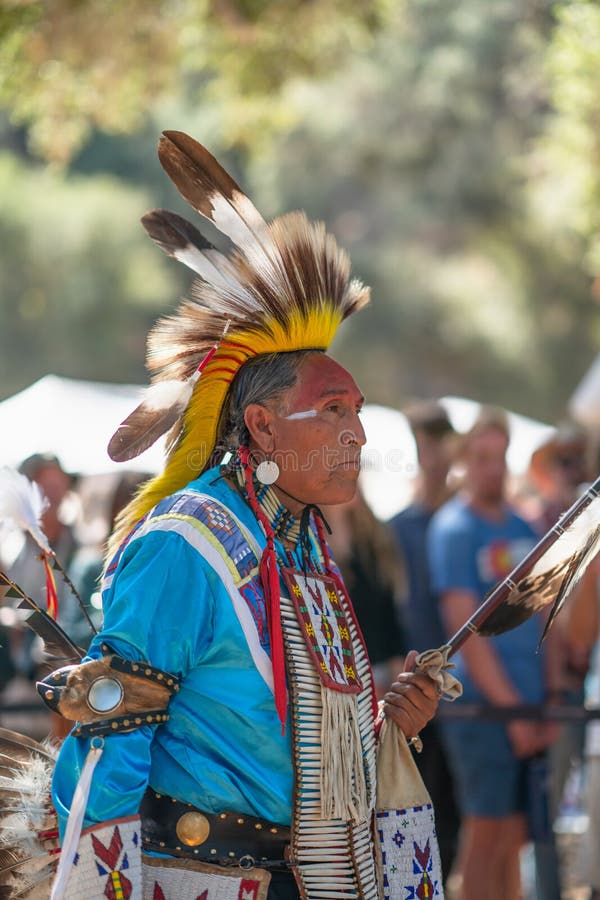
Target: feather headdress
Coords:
[[284, 286]]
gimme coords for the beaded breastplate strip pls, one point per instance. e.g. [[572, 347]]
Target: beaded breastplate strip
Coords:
[[332, 852]]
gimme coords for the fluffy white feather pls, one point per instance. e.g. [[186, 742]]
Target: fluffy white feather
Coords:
[[22, 504], [27, 848], [167, 394]]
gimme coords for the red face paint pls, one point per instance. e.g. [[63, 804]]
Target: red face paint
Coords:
[[319, 454]]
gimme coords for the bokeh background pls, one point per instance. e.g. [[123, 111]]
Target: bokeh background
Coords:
[[453, 147]]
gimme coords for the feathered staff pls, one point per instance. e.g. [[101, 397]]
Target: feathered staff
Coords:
[[29, 847], [28, 826], [22, 505], [57, 644], [546, 575]]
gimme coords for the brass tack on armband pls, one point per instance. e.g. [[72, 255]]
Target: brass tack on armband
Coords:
[[49, 695], [114, 724], [273, 830], [135, 667], [222, 815], [258, 826], [160, 676], [213, 852], [138, 721], [240, 821], [231, 854], [147, 671]]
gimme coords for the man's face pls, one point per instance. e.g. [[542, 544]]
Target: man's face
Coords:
[[54, 483], [568, 470], [485, 460], [317, 433], [433, 453]]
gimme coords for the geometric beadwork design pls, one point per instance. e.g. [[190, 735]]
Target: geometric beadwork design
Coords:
[[108, 862], [334, 857], [409, 854], [254, 595], [112, 861], [324, 628], [187, 879], [218, 520]]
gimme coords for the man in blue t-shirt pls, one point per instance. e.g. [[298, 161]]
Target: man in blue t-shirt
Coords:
[[475, 540], [435, 439]]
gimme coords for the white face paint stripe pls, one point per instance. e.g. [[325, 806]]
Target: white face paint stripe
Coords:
[[307, 414]]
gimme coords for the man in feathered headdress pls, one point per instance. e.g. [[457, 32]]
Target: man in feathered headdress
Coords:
[[226, 719]]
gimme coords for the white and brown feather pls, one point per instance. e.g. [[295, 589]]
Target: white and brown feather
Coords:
[[28, 826], [315, 273], [184, 242], [206, 186], [552, 578], [163, 405]]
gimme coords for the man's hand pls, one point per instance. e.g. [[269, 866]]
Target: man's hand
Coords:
[[412, 700], [529, 738]]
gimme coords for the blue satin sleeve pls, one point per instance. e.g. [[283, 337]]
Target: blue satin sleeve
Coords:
[[159, 608]]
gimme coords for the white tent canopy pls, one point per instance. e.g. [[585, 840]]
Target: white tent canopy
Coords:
[[74, 420], [390, 456], [584, 405]]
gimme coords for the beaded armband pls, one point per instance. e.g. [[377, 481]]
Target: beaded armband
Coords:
[[110, 694]]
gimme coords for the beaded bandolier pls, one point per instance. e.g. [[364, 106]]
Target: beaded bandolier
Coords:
[[332, 850]]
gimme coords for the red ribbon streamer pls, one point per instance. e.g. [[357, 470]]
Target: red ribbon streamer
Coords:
[[51, 595], [269, 576]]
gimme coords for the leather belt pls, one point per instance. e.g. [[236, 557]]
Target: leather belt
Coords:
[[228, 839]]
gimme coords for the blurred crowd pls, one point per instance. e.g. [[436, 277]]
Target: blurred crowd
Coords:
[[498, 781]]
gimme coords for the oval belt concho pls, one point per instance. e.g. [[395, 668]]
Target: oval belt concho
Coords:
[[179, 829], [192, 829]]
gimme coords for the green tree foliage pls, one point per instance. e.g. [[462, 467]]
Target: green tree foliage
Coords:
[[422, 164], [569, 149], [451, 145], [67, 67], [81, 283]]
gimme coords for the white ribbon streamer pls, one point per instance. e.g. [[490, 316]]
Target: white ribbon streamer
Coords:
[[73, 831]]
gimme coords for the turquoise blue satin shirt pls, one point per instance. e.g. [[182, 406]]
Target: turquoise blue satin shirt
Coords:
[[169, 602]]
